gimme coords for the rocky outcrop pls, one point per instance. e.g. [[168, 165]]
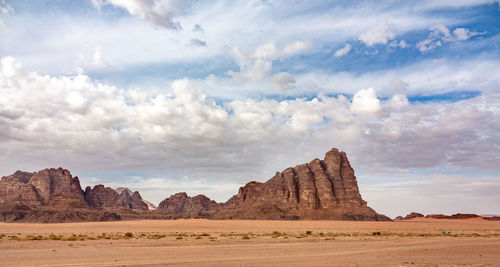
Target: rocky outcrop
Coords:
[[459, 216], [181, 205], [49, 187], [413, 215], [49, 195], [150, 205], [320, 189], [107, 198]]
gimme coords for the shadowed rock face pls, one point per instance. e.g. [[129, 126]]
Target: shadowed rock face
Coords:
[[320, 189], [53, 195], [106, 197], [183, 206], [49, 187], [150, 205]]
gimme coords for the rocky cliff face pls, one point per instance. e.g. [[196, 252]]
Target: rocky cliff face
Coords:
[[181, 205], [106, 197], [49, 187], [50, 195], [320, 189], [150, 205]]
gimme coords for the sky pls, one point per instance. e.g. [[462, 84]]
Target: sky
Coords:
[[164, 96]]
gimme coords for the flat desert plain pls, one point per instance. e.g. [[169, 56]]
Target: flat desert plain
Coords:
[[194, 242]]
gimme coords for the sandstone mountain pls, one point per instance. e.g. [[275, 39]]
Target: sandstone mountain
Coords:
[[150, 205], [413, 215], [49, 187], [320, 189], [108, 198], [53, 195], [181, 205], [458, 216]]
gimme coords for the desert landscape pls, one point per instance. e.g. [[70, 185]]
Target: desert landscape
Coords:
[[249, 133], [201, 242], [308, 215]]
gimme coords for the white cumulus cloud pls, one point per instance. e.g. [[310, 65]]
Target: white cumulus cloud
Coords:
[[342, 51], [159, 12], [378, 34], [440, 34], [365, 102]]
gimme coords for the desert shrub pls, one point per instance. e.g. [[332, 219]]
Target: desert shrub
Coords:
[[55, 237], [129, 235], [376, 233], [309, 232], [246, 237], [156, 236], [72, 238], [179, 237], [38, 237], [13, 237], [205, 234]]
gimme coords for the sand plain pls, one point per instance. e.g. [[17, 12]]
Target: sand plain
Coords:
[[195, 242]]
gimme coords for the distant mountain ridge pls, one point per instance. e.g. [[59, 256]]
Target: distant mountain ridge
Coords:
[[320, 189], [457, 216]]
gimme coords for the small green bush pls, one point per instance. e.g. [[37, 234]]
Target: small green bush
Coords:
[[129, 234]]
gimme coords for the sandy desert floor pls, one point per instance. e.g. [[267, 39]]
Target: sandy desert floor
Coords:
[[251, 243]]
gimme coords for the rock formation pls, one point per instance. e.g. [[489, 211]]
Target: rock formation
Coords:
[[459, 216], [150, 205], [413, 215], [49, 195], [181, 205], [321, 189], [107, 198], [49, 187]]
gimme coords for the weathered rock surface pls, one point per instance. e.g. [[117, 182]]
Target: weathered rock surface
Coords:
[[320, 189], [181, 205], [107, 198], [150, 205], [49, 187]]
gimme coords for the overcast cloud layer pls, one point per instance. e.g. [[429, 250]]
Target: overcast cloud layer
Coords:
[[168, 96]]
